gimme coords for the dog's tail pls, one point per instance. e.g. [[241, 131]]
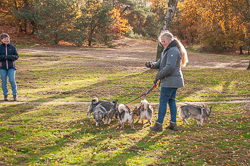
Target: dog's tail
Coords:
[[145, 103], [95, 100], [123, 107]]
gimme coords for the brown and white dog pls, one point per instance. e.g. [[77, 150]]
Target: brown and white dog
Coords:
[[144, 111], [125, 115]]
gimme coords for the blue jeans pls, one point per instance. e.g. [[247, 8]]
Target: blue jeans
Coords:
[[11, 74], [170, 92]]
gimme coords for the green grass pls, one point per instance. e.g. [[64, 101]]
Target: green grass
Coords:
[[43, 129]]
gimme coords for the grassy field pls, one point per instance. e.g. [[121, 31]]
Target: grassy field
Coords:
[[49, 124]]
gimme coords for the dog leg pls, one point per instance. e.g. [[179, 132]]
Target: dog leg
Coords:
[[185, 121], [88, 114], [104, 121], [198, 122], [201, 122], [149, 121], [122, 126], [120, 122], [109, 121], [137, 120], [132, 126]]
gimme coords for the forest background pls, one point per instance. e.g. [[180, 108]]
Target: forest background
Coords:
[[206, 25]]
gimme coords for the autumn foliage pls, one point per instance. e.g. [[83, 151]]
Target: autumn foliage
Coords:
[[119, 25], [216, 25]]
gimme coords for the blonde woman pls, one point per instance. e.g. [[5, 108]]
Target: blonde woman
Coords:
[[170, 75]]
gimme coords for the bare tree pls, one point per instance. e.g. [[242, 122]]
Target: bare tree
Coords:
[[172, 4]]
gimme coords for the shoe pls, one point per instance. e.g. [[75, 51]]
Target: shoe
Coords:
[[156, 127], [15, 97], [6, 98], [172, 126]]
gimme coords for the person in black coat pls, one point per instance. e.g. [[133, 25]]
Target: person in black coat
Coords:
[[8, 56]]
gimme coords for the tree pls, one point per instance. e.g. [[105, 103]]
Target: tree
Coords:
[[221, 25], [248, 16], [119, 25], [155, 18], [53, 18], [172, 4], [95, 22], [216, 25], [186, 22], [25, 18], [140, 15]]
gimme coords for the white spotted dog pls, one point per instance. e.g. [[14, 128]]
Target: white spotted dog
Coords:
[[125, 115], [144, 111]]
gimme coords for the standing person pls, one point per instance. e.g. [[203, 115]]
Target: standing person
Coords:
[[8, 56], [170, 75]]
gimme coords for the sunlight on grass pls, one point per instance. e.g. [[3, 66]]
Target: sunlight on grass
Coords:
[[43, 129]]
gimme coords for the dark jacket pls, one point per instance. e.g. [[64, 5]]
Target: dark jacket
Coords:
[[169, 66], [7, 60]]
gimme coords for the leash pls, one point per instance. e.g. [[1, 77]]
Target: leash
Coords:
[[143, 95], [167, 96], [155, 82]]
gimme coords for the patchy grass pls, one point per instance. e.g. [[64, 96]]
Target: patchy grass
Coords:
[[49, 124]]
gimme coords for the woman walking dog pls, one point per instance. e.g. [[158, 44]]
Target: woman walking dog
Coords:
[[8, 56], [170, 75]]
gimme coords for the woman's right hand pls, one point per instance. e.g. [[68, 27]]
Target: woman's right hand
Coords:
[[149, 64]]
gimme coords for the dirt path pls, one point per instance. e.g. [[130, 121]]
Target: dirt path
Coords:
[[141, 50]]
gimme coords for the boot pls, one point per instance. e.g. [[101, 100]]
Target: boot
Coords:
[[156, 127], [6, 98], [15, 97], [172, 126]]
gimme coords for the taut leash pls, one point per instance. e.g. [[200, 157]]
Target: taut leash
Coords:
[[143, 95]]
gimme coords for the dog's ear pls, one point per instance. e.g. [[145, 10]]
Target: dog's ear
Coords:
[[95, 100]]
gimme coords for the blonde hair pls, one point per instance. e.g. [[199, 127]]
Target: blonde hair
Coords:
[[170, 37]]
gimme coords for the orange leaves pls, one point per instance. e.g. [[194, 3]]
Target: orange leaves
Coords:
[[159, 7], [214, 23], [120, 25]]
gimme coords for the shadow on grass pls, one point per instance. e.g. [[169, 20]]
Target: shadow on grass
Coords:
[[77, 131]]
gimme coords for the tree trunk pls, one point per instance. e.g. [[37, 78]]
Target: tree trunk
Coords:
[[172, 4], [241, 50], [248, 68]]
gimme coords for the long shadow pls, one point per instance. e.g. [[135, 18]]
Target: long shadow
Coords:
[[137, 149], [24, 108]]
